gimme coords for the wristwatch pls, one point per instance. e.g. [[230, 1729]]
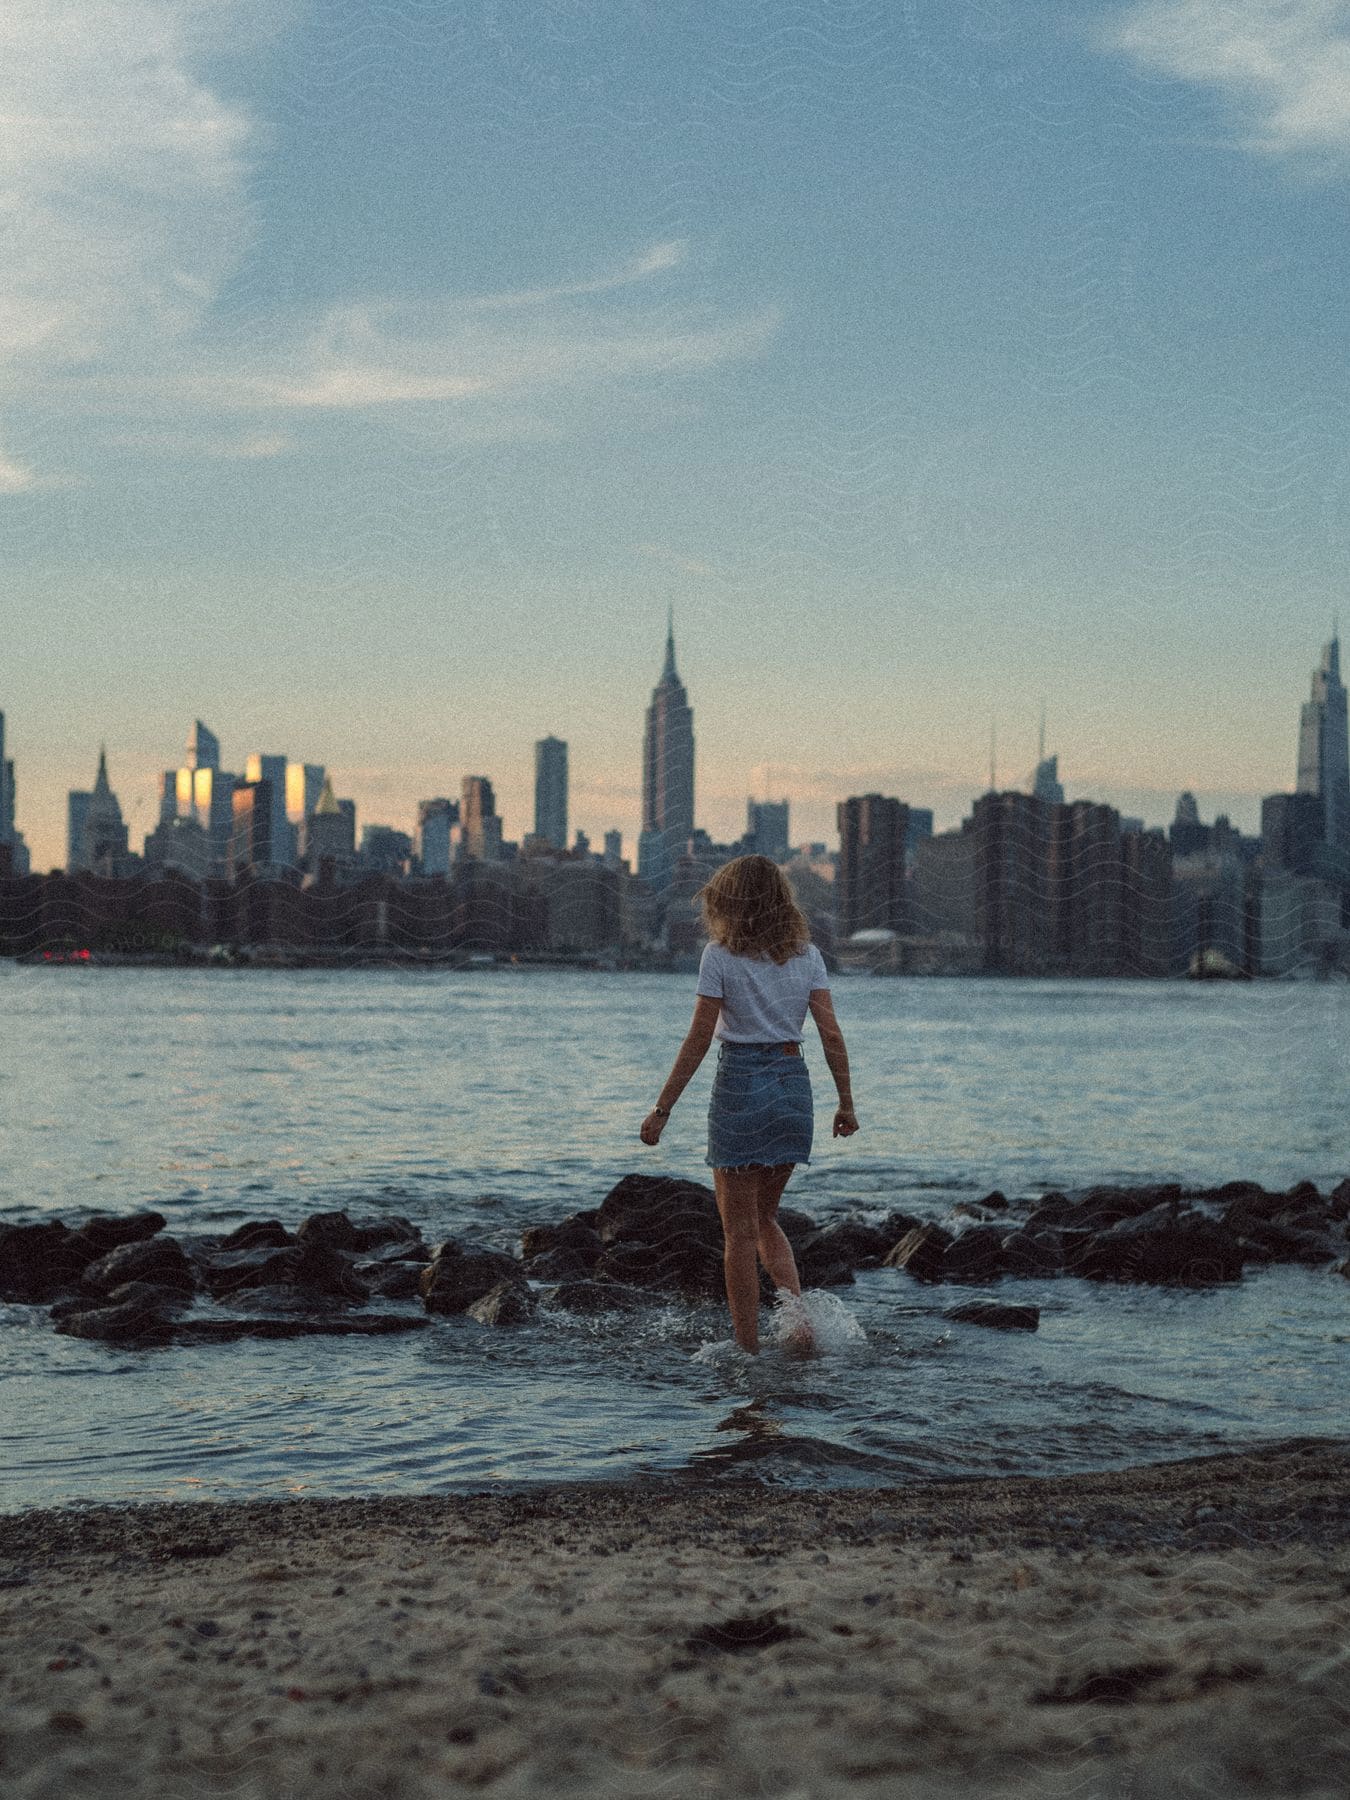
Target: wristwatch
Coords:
[[662, 1112]]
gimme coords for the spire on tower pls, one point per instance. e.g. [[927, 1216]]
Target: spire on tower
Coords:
[[668, 668]]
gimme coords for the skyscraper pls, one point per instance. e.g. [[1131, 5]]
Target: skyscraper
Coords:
[[1324, 756], [203, 748], [102, 843], [6, 789], [766, 828], [550, 792], [436, 821], [870, 883], [667, 774], [281, 838], [11, 839], [480, 828]]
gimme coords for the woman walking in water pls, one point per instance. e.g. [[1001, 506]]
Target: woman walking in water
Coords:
[[759, 976]]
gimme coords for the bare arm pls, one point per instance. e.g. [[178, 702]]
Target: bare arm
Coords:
[[690, 1054], [836, 1056]]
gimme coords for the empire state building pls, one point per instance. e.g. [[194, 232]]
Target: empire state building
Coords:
[[667, 775], [1324, 756]]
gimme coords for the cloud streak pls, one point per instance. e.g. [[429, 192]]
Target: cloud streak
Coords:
[[124, 182], [1283, 65]]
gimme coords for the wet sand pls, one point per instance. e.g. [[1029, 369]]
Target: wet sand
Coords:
[[1181, 1629]]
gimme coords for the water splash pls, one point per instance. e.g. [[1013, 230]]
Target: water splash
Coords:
[[814, 1323]]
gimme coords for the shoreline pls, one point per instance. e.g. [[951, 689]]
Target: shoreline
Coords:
[[1171, 1628]]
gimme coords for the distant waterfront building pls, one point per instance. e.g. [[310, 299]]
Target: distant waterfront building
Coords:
[[385, 851], [272, 770], [204, 792], [870, 884], [919, 828], [1291, 831], [766, 828], [332, 833], [203, 748], [304, 784], [1324, 757], [13, 850], [480, 828], [436, 822], [252, 845], [550, 792], [100, 844], [6, 789], [1046, 785], [667, 775], [613, 854], [77, 811], [1187, 836]]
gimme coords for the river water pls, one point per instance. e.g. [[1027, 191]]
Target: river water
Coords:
[[477, 1102]]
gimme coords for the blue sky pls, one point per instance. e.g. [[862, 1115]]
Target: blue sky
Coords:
[[377, 375]]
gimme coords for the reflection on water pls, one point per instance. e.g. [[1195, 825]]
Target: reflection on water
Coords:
[[478, 1103]]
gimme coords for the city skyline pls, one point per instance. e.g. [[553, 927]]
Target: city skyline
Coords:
[[926, 364], [1320, 743]]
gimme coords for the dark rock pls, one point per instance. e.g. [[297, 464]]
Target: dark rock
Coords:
[[996, 1202], [392, 1280], [995, 1314], [456, 1278], [679, 1264], [847, 1244], [1101, 1207], [1050, 1209], [335, 1231], [160, 1260], [573, 1234], [314, 1267], [257, 1234], [920, 1252], [1033, 1251], [509, 1303], [653, 1209], [409, 1250], [1342, 1268], [1338, 1200], [593, 1297], [976, 1255], [228, 1331], [1272, 1241], [559, 1265], [1305, 1193], [1176, 1249], [105, 1232], [894, 1226], [37, 1262], [137, 1311]]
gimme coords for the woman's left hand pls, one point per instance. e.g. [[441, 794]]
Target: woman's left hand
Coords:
[[652, 1127]]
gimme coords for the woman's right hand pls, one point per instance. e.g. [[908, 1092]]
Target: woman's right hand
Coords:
[[845, 1122]]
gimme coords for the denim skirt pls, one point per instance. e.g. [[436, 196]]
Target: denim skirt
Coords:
[[761, 1111]]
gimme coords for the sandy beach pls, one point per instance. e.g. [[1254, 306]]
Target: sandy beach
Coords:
[[1179, 1629]]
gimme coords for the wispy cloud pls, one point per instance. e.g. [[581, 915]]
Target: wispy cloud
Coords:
[[124, 181], [1283, 64]]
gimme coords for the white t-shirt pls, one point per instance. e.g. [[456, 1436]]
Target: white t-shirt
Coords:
[[763, 1002]]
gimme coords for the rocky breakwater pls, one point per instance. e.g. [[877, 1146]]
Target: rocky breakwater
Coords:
[[127, 1280]]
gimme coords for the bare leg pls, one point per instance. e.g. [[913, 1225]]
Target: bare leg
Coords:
[[775, 1252], [737, 1191]]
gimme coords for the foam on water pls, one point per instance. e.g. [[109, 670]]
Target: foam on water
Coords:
[[814, 1323]]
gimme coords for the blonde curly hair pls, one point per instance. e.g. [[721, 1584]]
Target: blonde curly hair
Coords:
[[748, 908]]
